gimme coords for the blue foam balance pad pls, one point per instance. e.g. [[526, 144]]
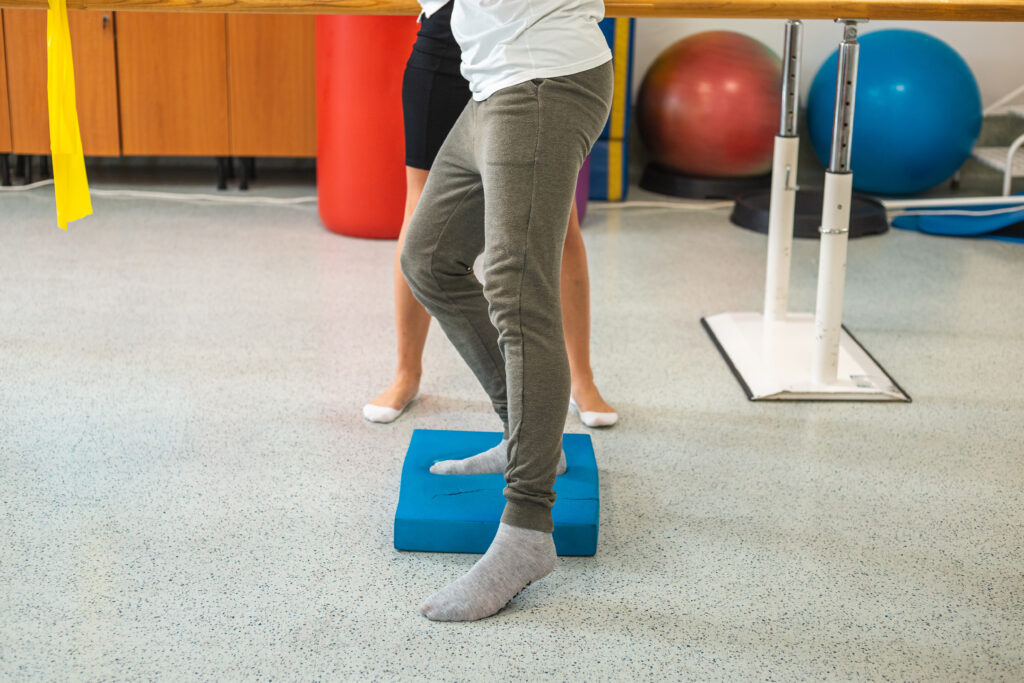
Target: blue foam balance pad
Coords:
[[459, 513]]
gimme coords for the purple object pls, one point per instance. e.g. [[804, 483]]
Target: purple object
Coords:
[[583, 189]]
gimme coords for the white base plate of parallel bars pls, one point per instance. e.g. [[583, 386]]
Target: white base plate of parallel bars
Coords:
[[777, 366]]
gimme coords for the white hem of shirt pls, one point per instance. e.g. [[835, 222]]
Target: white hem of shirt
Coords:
[[553, 72]]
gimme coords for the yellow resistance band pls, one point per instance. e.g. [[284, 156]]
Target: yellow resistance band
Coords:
[[70, 185]]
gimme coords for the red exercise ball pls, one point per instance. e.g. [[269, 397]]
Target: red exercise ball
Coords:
[[360, 138], [709, 105]]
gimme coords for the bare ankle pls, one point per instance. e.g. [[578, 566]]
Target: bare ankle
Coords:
[[407, 377], [583, 387]]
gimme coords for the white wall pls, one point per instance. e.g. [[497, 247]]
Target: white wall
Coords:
[[995, 52]]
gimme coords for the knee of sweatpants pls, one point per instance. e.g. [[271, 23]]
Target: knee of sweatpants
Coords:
[[515, 285]]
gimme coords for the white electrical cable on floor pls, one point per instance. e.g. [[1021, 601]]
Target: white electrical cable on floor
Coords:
[[956, 212], [291, 201], [902, 207], [679, 206], [946, 202], [22, 188], [217, 199], [175, 196]]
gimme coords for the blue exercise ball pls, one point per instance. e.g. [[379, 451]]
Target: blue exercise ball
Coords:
[[917, 112]]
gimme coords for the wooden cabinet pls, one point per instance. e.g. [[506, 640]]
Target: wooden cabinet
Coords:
[[5, 118], [92, 45], [272, 85], [173, 77], [166, 83]]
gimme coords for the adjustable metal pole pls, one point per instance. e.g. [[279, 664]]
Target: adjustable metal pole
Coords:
[[783, 192], [835, 218]]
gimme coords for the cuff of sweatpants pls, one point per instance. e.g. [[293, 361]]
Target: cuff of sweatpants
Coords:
[[528, 515]]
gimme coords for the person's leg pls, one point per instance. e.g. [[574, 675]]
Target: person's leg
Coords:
[[575, 293], [575, 286], [411, 322], [444, 238], [531, 141], [433, 96]]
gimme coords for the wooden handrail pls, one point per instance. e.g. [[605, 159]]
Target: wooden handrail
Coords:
[[919, 10]]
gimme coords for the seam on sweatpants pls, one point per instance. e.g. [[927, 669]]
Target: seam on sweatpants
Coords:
[[522, 274]]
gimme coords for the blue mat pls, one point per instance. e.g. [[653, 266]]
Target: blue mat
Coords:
[[975, 221], [460, 513]]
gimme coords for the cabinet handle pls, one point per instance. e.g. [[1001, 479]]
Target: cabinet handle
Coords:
[[106, 20]]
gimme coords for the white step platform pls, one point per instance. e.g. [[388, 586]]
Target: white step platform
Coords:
[[780, 369]]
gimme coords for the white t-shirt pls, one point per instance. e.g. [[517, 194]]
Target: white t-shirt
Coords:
[[505, 42]]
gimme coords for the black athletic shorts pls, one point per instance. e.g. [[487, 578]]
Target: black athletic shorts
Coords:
[[434, 92]]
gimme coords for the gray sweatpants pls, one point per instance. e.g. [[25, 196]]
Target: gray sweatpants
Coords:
[[503, 185]]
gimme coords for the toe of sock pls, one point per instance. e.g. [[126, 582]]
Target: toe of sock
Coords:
[[592, 419], [436, 609], [441, 612], [375, 413]]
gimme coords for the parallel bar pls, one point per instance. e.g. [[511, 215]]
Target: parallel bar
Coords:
[[919, 10], [792, 49], [846, 90]]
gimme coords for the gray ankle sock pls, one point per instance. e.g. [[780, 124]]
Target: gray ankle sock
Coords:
[[516, 558], [491, 461]]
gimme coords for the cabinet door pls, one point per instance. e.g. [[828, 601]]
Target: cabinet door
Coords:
[[173, 83], [25, 37], [272, 84], [92, 47], [5, 118]]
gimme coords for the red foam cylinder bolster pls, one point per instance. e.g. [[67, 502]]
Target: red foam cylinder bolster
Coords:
[[360, 139]]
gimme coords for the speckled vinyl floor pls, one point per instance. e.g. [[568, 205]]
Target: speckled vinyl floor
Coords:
[[188, 490]]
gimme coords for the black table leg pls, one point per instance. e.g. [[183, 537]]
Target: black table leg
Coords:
[[246, 171], [222, 173]]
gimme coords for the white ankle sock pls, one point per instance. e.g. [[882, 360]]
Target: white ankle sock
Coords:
[[516, 558], [385, 414], [592, 418]]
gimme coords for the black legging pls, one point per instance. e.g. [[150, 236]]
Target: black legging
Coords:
[[434, 92]]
